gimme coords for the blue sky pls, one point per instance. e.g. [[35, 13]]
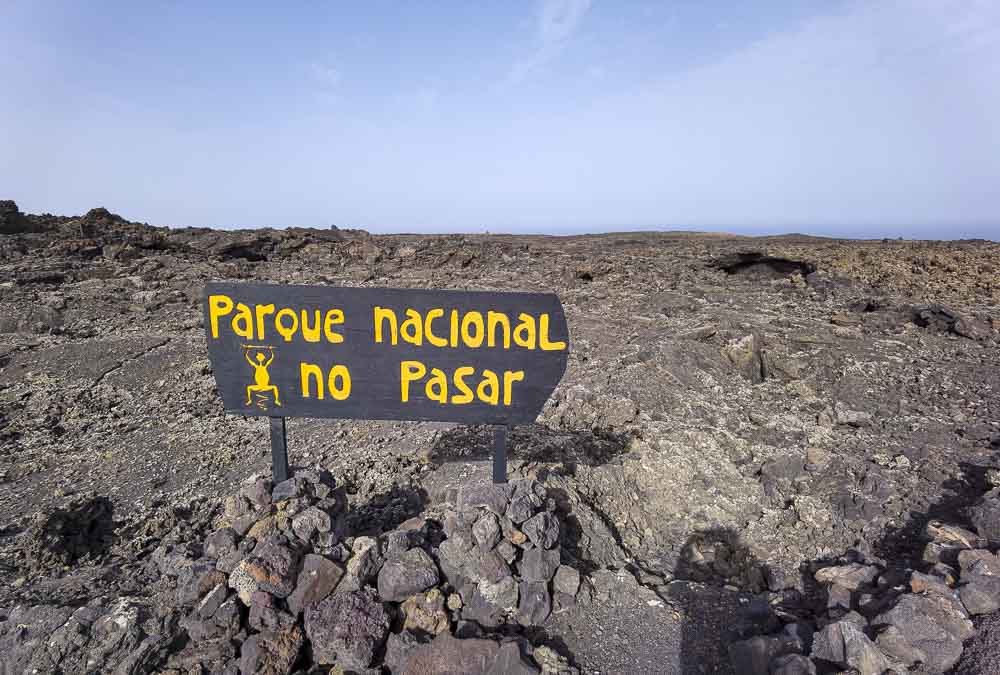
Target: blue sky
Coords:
[[876, 118]]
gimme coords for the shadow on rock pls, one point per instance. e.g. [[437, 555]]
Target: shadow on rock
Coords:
[[532, 443], [903, 544], [914, 607], [82, 531], [385, 511], [711, 564]]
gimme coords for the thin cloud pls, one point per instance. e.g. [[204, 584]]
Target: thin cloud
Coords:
[[556, 21], [326, 76]]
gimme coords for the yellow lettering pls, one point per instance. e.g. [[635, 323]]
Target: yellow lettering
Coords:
[[310, 333], [260, 311], [543, 336], [342, 391], [524, 334], [491, 381], [474, 319], [416, 335], [431, 338], [332, 318], [305, 371], [287, 332], [437, 386], [243, 321], [383, 313], [218, 305], [466, 395], [409, 371], [454, 328], [494, 319], [509, 378]]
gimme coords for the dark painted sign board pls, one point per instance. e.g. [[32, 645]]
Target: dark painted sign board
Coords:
[[383, 353]]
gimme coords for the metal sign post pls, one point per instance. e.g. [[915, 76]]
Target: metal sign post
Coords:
[[500, 454], [279, 451]]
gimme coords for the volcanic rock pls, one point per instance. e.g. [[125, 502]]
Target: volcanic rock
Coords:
[[221, 543], [273, 567], [485, 495], [486, 531], [542, 529], [755, 655], [425, 613], [271, 652], [851, 577], [265, 613], [979, 562], [933, 623], [535, 603], [980, 593], [398, 648], [845, 644], [985, 516], [792, 664], [447, 654], [894, 644], [412, 572], [196, 580], [566, 580], [364, 564], [310, 522], [953, 535], [539, 564], [318, 578], [347, 628], [510, 661]]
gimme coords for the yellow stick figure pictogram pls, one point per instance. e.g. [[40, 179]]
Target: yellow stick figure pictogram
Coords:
[[262, 379]]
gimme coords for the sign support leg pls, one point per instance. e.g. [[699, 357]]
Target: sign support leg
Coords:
[[279, 451], [500, 454]]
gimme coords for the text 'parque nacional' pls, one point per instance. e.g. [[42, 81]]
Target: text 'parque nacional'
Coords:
[[319, 351]]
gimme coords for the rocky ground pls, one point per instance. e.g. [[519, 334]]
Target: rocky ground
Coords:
[[767, 455]]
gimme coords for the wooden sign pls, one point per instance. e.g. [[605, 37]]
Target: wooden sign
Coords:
[[383, 353]]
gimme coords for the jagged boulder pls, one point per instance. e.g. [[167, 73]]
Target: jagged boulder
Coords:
[[933, 623], [411, 572], [12, 221], [985, 516], [347, 628]]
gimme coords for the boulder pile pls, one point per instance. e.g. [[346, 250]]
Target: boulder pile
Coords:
[[279, 588], [878, 619]]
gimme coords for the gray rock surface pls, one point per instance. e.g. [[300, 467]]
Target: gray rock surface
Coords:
[[542, 529], [412, 572], [985, 516], [755, 655], [534, 604], [539, 564], [317, 579], [894, 644], [934, 624], [851, 577], [980, 593], [271, 652], [447, 654], [510, 661], [486, 531], [845, 644]]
